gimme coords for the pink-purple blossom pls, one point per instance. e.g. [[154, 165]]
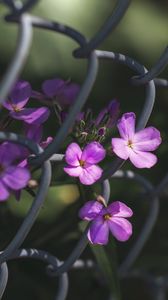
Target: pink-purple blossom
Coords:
[[105, 220], [61, 91], [108, 115], [12, 176], [64, 91], [83, 163], [18, 98], [34, 133], [136, 145]]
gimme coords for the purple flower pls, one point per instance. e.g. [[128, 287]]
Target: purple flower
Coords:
[[53, 87], [33, 132], [105, 219], [45, 143], [18, 98], [12, 177], [109, 114], [113, 110], [136, 145], [64, 91], [82, 164]]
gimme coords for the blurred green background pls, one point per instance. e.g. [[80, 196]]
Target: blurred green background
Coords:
[[143, 35]]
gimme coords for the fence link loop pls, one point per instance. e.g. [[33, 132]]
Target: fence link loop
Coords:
[[105, 30], [18, 7], [154, 72], [19, 58]]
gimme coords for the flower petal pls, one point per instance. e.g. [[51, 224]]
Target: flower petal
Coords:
[[68, 94], [52, 87], [120, 148], [23, 163], [34, 116], [9, 152], [80, 116], [98, 232], [8, 105], [119, 209], [147, 139], [73, 171], [93, 153], [126, 126], [142, 159], [45, 143], [120, 228], [90, 174], [73, 154], [90, 210], [34, 132], [16, 178], [19, 95], [4, 194], [100, 116], [113, 110]]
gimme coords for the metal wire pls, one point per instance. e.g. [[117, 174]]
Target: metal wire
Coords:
[[19, 58]]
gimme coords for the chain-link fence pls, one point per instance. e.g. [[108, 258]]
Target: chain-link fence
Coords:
[[18, 13]]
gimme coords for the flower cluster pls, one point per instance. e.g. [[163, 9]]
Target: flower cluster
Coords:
[[88, 129], [14, 169], [132, 145], [89, 144], [54, 91]]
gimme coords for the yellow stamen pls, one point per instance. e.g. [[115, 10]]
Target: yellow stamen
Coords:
[[15, 108], [82, 163], [107, 217], [130, 144]]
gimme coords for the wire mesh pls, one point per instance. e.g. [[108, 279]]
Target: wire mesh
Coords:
[[18, 13]]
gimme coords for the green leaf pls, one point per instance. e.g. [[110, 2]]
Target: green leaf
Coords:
[[106, 259], [57, 200]]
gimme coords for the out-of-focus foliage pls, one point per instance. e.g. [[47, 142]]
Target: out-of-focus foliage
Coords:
[[58, 198], [143, 28]]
